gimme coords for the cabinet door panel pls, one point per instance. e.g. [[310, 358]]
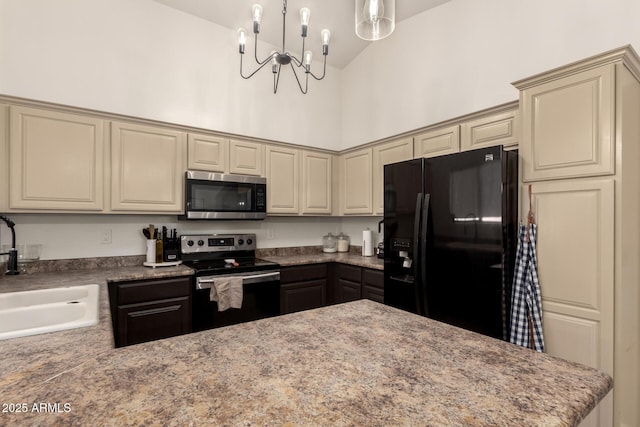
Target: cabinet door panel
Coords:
[[208, 153], [437, 142], [303, 295], [153, 320], [316, 183], [283, 171], [356, 174], [57, 160], [575, 246], [568, 126], [391, 152], [147, 168], [246, 158], [496, 129]]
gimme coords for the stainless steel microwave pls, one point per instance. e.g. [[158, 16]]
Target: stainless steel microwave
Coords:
[[210, 195]]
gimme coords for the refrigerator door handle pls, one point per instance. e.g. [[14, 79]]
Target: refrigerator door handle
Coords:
[[424, 231], [417, 257]]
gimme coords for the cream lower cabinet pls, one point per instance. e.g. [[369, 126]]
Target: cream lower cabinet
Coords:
[[283, 178], [575, 248], [147, 168], [207, 153], [356, 182], [56, 161], [317, 183], [384, 154]]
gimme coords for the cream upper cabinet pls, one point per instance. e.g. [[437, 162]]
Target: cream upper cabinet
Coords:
[[317, 183], [208, 153], [437, 142], [357, 182], [568, 125], [283, 178], [4, 157], [489, 131], [384, 154], [246, 157], [147, 168], [56, 160]]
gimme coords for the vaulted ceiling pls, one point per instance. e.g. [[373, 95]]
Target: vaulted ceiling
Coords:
[[336, 15]]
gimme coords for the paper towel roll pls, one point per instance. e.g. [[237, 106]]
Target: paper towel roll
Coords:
[[367, 243]]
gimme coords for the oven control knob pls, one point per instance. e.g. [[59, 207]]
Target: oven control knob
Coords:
[[240, 241], [249, 241], [189, 242], [200, 242]]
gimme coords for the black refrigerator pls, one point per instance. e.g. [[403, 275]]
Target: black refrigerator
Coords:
[[450, 225]]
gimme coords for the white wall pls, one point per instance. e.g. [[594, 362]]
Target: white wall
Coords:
[[462, 56], [141, 58], [79, 236]]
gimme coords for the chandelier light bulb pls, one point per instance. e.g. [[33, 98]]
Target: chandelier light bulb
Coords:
[[242, 38], [308, 56], [256, 14], [325, 35], [305, 14]]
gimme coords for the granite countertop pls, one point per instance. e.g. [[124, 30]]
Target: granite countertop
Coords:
[[359, 363], [290, 258]]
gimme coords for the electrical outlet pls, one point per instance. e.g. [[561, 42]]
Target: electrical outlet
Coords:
[[269, 233], [105, 236]]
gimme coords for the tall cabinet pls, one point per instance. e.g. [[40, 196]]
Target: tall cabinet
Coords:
[[580, 153]]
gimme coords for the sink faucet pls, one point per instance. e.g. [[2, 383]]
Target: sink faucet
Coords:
[[12, 264]]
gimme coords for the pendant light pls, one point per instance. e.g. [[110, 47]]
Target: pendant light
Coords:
[[284, 57], [375, 19]]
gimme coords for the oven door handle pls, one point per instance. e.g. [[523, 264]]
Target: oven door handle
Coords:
[[254, 278]]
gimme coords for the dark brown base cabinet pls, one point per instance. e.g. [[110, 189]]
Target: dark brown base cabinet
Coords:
[[348, 283], [303, 287], [310, 286], [373, 285], [149, 310]]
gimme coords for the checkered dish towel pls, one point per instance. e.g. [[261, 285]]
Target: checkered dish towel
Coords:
[[526, 303]]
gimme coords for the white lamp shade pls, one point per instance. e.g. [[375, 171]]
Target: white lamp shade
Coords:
[[375, 19]]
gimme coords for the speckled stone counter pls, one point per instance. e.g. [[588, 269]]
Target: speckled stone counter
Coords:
[[291, 257], [360, 363]]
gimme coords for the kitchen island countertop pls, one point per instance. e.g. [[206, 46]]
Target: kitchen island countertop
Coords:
[[360, 363]]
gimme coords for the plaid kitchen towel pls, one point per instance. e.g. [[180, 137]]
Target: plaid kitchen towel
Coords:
[[526, 302]]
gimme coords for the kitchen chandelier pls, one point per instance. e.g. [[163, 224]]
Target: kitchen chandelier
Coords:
[[375, 19], [278, 59]]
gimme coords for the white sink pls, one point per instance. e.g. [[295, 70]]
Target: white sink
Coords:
[[47, 310]]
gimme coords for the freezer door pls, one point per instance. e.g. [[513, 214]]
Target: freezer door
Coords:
[[403, 193]]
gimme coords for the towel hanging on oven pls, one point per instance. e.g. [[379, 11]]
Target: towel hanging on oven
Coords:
[[526, 302], [227, 292]]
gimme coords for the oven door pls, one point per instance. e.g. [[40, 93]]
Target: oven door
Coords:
[[260, 299]]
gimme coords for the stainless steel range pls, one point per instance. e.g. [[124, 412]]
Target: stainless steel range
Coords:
[[219, 256]]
